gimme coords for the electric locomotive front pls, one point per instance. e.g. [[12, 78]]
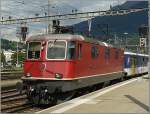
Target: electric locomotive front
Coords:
[[49, 66]]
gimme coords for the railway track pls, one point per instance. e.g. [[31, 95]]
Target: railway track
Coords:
[[12, 102], [10, 95], [11, 75], [20, 105], [11, 99], [7, 91]]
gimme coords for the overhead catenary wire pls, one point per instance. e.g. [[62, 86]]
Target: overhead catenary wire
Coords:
[[71, 16]]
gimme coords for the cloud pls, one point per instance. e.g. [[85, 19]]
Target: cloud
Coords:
[[9, 33]]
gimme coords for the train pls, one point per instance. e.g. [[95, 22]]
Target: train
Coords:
[[57, 65], [135, 63]]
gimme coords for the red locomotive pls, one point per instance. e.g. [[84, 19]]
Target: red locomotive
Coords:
[[58, 64]]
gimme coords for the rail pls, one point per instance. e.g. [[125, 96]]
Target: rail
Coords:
[[11, 75]]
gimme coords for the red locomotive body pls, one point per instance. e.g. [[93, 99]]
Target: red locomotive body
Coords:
[[66, 62]]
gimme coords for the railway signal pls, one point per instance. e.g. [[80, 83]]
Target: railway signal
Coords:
[[143, 31], [22, 32], [142, 42]]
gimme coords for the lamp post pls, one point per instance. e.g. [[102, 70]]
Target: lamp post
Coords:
[[89, 26], [115, 39], [50, 28], [48, 31], [149, 38], [17, 55], [125, 33]]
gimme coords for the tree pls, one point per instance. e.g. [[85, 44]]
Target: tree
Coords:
[[3, 58], [21, 57]]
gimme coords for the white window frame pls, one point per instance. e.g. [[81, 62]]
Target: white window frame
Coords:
[[28, 50], [65, 50]]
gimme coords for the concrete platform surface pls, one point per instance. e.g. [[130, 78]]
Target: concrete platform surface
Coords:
[[131, 96]]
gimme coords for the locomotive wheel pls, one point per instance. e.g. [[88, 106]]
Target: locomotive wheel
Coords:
[[122, 79], [34, 100], [106, 83]]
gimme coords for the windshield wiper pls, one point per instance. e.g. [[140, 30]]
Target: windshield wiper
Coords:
[[52, 44]]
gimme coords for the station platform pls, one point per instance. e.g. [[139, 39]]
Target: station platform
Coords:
[[131, 96]]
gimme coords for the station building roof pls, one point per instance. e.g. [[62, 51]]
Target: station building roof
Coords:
[[131, 53]]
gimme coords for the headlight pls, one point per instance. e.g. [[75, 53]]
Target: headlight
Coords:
[[28, 75], [58, 76]]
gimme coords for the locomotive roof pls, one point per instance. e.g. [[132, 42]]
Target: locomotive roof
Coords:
[[55, 36], [66, 37]]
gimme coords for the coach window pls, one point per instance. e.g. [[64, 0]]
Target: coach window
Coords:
[[143, 59], [94, 52], [107, 53], [71, 50], [79, 51]]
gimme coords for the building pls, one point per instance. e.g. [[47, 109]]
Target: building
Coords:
[[8, 55]]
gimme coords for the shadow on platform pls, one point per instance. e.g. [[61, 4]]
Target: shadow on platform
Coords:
[[138, 102]]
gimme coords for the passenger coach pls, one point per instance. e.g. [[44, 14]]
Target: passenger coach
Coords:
[[135, 63]]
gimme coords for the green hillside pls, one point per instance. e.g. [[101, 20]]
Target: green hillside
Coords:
[[12, 45]]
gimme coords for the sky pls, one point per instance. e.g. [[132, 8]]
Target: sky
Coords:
[[28, 8]]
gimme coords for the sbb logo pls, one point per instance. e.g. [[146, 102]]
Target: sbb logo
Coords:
[[42, 66]]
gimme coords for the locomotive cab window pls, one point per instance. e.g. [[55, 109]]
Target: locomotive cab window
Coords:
[[34, 50], [71, 50], [56, 50]]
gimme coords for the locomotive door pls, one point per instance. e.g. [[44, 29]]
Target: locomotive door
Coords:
[[133, 65], [78, 65], [142, 65]]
